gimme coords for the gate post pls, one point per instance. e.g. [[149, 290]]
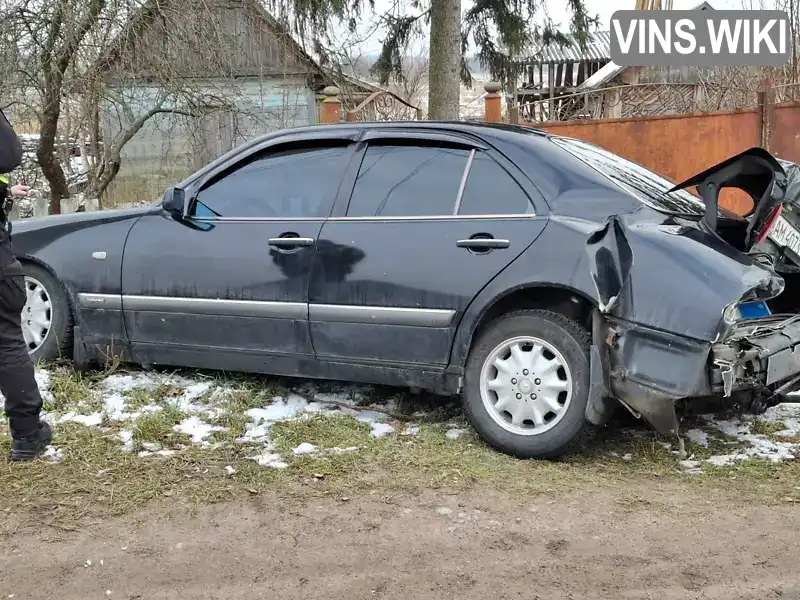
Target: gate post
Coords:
[[331, 106], [766, 114], [493, 105]]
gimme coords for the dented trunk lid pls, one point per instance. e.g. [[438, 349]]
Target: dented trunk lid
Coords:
[[754, 171]]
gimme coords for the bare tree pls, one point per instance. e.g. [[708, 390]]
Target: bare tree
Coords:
[[94, 73]]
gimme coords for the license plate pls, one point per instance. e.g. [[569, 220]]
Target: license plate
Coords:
[[785, 235], [754, 310]]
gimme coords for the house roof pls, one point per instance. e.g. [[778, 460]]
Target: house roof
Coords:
[[610, 70], [598, 47], [152, 8]]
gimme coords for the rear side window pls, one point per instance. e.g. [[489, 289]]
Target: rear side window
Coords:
[[490, 190], [648, 187], [408, 181]]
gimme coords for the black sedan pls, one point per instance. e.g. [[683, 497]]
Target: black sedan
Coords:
[[545, 280]]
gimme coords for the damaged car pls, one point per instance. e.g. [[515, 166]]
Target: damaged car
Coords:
[[542, 278]]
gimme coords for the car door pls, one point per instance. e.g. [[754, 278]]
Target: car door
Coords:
[[430, 220], [233, 275]]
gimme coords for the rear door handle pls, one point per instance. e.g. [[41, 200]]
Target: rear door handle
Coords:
[[483, 243], [290, 242]]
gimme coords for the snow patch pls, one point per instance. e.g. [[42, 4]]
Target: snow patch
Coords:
[[698, 436], [146, 453], [454, 434], [196, 428], [269, 459], [53, 454], [757, 445], [381, 429], [91, 420], [126, 437], [304, 448], [788, 414]]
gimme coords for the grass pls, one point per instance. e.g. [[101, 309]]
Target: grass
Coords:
[[157, 427], [97, 478], [72, 392]]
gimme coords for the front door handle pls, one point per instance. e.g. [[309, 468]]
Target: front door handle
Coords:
[[291, 242], [483, 243]]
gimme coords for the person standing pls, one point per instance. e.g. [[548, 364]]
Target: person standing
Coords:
[[23, 403]]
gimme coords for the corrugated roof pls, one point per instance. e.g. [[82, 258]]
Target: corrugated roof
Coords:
[[597, 48], [602, 76]]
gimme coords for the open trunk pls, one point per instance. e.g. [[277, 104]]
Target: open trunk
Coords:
[[754, 171]]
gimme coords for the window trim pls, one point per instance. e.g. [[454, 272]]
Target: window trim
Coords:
[[345, 196], [276, 146]]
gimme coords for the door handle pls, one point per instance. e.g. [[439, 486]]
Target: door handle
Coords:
[[483, 243], [290, 242]]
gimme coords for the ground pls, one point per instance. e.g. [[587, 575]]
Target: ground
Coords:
[[186, 485]]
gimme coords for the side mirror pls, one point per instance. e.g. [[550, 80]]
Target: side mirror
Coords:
[[174, 202]]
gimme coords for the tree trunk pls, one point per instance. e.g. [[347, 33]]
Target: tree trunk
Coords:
[[444, 81], [45, 151]]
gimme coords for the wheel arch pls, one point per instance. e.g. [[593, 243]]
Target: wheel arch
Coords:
[[23, 259], [565, 300]]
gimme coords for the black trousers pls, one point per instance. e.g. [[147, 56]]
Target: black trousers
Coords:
[[17, 381]]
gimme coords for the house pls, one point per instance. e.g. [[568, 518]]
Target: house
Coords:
[[562, 82], [208, 75]]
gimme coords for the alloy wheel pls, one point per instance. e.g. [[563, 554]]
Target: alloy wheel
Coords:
[[37, 314], [526, 385]]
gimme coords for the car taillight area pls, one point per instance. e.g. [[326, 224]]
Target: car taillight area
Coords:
[[769, 223]]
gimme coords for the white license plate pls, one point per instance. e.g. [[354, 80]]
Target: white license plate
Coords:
[[785, 235]]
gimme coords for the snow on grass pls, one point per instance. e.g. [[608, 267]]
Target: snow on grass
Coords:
[[754, 445], [197, 429], [304, 448], [698, 436], [783, 419], [140, 408], [455, 433]]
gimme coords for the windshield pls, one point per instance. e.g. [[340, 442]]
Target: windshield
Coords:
[[647, 186]]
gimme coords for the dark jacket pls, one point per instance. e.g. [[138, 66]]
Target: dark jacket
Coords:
[[10, 159], [10, 146]]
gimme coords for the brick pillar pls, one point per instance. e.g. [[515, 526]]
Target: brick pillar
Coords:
[[493, 102], [331, 106]]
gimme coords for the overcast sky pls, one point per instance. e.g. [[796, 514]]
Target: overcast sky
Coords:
[[559, 13]]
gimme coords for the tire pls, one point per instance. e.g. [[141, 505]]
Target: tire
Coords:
[[56, 339], [563, 424]]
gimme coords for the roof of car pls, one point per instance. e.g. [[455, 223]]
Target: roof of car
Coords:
[[483, 130], [452, 125]]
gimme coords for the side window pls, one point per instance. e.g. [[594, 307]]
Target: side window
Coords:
[[285, 184], [490, 190], [408, 181]]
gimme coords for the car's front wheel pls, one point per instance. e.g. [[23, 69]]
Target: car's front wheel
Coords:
[[46, 316], [527, 384]]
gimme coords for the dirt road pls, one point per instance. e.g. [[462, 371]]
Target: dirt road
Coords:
[[644, 542]]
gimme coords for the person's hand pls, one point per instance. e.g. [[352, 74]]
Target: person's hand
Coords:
[[20, 190]]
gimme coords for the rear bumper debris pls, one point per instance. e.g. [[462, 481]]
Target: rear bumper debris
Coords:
[[647, 370], [757, 353]]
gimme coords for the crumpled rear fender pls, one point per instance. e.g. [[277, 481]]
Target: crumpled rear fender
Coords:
[[662, 290]]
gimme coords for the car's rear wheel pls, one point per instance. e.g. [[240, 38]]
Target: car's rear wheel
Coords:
[[527, 384], [46, 316]]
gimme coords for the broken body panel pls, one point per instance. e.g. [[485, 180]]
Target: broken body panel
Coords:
[[655, 351]]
